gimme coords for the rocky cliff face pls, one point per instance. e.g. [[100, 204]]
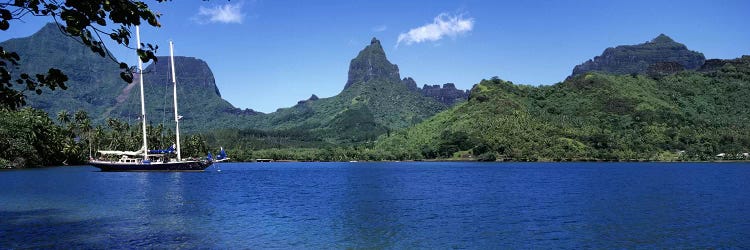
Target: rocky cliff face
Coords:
[[189, 71], [371, 64], [664, 68], [199, 99], [718, 64], [447, 94], [627, 59]]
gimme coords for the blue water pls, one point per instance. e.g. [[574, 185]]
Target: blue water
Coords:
[[381, 205]]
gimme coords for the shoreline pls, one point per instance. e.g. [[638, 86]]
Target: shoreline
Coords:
[[433, 161]]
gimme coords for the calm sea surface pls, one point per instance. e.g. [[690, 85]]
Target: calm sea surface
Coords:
[[381, 205]]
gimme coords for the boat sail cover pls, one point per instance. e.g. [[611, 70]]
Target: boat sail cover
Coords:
[[170, 150], [115, 152], [222, 155]]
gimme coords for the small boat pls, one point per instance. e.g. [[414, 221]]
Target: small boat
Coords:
[[152, 160]]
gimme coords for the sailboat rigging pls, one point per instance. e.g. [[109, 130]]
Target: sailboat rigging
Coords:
[[128, 160]]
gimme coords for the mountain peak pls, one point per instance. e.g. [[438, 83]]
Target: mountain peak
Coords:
[[372, 64], [662, 39], [51, 26]]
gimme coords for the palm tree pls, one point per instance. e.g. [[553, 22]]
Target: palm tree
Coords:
[[63, 117], [99, 137], [116, 133], [86, 127], [80, 116]]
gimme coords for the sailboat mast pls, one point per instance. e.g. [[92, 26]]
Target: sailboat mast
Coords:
[[143, 103], [176, 116]]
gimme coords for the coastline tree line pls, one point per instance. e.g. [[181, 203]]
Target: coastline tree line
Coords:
[[30, 138]]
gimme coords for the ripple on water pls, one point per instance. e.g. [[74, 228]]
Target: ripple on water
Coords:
[[381, 205]]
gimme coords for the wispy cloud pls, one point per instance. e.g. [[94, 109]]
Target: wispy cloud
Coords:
[[226, 13], [443, 25], [379, 28]]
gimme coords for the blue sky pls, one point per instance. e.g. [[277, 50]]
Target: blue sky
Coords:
[[270, 54]]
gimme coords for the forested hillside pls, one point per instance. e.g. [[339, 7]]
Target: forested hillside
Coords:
[[686, 115]]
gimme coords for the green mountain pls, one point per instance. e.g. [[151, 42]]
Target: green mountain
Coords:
[[93, 82], [199, 100], [686, 115], [95, 85], [373, 102], [628, 59]]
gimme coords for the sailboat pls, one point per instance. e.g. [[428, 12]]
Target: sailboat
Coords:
[[141, 160]]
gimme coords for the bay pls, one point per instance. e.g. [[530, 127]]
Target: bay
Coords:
[[381, 205]]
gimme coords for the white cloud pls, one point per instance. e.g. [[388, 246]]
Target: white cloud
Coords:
[[379, 28], [227, 13], [443, 25]]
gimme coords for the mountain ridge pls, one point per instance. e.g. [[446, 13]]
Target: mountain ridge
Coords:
[[50, 48], [629, 59]]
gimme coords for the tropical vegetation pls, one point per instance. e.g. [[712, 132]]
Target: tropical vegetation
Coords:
[[30, 138], [684, 116]]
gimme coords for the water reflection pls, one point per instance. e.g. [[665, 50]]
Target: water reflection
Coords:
[[155, 209], [370, 208]]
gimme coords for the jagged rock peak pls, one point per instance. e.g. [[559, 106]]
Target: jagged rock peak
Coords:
[[372, 64], [448, 94], [311, 99], [410, 83], [629, 59]]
